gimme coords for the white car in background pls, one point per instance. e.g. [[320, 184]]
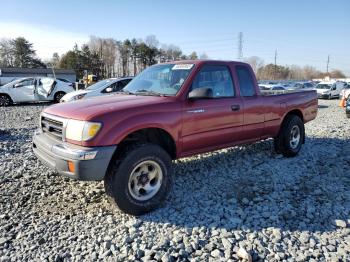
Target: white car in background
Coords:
[[265, 87], [34, 89], [329, 90], [301, 86], [345, 92], [103, 87]]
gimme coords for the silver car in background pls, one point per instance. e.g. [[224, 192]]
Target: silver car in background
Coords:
[[34, 89], [103, 87]]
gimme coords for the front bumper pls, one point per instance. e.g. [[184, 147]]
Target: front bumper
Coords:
[[90, 163], [323, 95]]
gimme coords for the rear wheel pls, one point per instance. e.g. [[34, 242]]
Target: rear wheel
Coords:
[[58, 96], [139, 178], [291, 136], [5, 100]]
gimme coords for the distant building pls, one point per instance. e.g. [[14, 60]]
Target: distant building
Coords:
[[9, 74]]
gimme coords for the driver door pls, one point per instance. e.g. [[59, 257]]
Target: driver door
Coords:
[[44, 88], [23, 91]]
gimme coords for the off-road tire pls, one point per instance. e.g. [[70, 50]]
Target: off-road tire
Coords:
[[119, 171], [282, 141]]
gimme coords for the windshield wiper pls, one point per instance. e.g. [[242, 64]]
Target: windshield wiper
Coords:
[[148, 92]]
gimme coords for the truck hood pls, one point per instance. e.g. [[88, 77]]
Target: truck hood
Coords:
[[87, 109]]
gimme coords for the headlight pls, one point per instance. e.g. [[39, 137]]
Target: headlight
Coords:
[[77, 97], [82, 130]]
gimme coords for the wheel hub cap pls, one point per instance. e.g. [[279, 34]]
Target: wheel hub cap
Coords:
[[145, 180], [294, 137]]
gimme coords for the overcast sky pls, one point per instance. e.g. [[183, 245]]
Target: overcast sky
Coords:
[[302, 32]]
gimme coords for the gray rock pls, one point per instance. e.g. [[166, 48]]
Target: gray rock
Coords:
[[107, 244], [340, 223], [304, 238], [243, 254], [216, 253], [226, 243]]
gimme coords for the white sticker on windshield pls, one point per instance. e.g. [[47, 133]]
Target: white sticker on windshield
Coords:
[[182, 66]]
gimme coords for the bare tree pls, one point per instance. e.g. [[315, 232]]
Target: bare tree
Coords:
[[193, 56], [6, 53], [152, 41], [203, 56], [255, 62], [106, 48]]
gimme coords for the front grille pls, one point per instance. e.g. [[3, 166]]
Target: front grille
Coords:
[[52, 127]]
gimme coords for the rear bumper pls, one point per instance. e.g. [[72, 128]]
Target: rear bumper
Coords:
[[90, 163]]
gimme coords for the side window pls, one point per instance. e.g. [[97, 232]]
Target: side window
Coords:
[[217, 78], [125, 82], [246, 84], [26, 82], [118, 86]]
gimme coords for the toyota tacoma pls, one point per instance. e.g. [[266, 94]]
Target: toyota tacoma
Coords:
[[168, 111]]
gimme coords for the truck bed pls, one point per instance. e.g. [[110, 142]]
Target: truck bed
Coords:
[[281, 92]]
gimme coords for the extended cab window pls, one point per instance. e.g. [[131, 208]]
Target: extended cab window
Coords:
[[246, 84], [217, 78]]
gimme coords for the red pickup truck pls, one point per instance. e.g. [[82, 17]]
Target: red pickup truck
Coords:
[[168, 111]]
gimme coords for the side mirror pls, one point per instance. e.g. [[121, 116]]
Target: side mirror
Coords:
[[17, 85], [334, 88], [201, 93], [109, 89]]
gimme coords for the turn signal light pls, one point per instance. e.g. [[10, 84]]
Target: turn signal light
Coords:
[[71, 167]]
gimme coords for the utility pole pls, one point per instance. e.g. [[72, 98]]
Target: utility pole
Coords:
[[240, 46], [275, 65], [327, 64]]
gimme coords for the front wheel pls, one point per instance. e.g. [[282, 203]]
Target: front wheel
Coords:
[[139, 178], [58, 96], [291, 136], [5, 100]]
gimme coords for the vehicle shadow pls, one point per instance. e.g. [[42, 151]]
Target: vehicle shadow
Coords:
[[33, 104], [251, 187]]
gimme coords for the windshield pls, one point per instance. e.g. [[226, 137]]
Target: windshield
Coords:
[[100, 84], [165, 79], [323, 86]]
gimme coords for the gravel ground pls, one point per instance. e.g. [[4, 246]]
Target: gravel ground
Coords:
[[242, 203]]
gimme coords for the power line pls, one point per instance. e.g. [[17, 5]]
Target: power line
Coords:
[[240, 46], [275, 63], [327, 64]]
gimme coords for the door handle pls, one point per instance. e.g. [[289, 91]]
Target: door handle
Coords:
[[235, 107]]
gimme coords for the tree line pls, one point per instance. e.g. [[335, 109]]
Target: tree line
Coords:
[[108, 57], [19, 53], [279, 72]]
